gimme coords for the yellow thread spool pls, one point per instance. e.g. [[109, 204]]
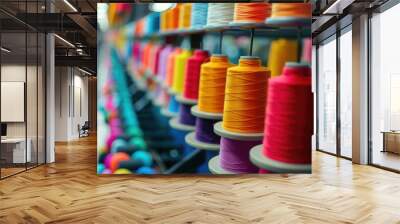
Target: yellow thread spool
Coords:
[[245, 96], [185, 15], [212, 84], [179, 71], [281, 51]]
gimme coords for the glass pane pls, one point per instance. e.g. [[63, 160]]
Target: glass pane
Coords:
[[32, 96], [314, 74], [41, 99], [14, 148], [327, 96], [346, 94], [385, 89]]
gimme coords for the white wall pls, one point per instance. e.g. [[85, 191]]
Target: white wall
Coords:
[[70, 83]]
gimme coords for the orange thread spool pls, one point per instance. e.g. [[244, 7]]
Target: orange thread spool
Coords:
[[245, 96], [185, 12], [173, 17], [170, 67], [251, 12], [297, 10], [212, 84]]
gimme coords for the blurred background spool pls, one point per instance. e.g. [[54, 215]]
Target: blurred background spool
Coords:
[[192, 74], [245, 96], [163, 21], [199, 15], [162, 70], [179, 71], [307, 50], [185, 12], [291, 10], [281, 51], [289, 116], [220, 14], [212, 84], [173, 17], [251, 12], [170, 67]]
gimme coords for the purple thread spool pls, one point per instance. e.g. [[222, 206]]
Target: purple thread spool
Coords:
[[185, 116], [205, 131], [234, 155]]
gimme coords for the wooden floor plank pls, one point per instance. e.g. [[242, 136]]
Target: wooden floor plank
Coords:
[[69, 191]]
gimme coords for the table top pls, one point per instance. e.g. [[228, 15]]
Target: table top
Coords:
[[391, 132], [14, 140]]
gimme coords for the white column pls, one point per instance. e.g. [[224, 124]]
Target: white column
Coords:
[[360, 90]]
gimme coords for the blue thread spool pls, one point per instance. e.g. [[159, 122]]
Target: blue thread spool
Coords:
[[144, 157]]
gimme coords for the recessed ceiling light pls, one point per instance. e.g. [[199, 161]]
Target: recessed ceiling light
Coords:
[[70, 5], [5, 50], [64, 40]]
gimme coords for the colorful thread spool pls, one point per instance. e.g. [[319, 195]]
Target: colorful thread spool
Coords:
[[288, 139], [298, 14], [281, 51], [234, 155], [291, 10], [116, 159], [205, 131], [289, 123], [210, 103], [251, 12], [245, 96], [244, 111], [185, 15], [307, 50], [163, 21], [219, 14], [199, 15], [192, 74], [185, 115], [173, 17], [170, 67], [179, 71], [212, 84]]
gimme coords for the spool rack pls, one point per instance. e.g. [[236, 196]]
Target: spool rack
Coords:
[[297, 28]]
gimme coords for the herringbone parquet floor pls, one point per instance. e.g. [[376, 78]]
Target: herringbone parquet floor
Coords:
[[69, 191]]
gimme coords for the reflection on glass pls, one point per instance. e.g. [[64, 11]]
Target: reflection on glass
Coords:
[[346, 94], [31, 96], [15, 150], [327, 96], [386, 89]]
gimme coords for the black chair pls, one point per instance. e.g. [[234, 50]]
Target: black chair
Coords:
[[84, 130]]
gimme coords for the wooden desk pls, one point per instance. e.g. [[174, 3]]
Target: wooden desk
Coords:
[[391, 141]]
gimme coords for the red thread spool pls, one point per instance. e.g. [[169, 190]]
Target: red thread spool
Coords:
[[192, 74], [289, 116], [157, 59]]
